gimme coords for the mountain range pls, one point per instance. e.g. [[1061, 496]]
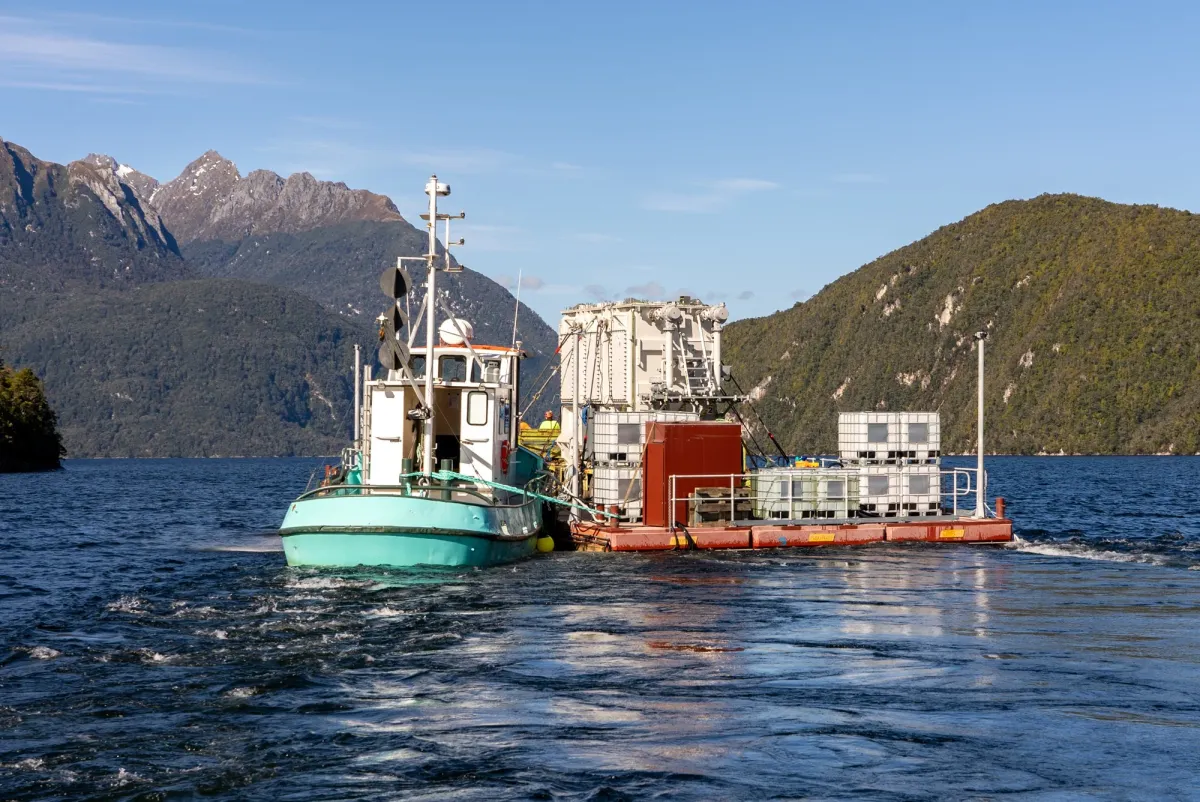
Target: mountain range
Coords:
[[214, 314], [1093, 327]]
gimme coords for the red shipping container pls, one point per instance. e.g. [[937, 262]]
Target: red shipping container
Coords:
[[713, 450]]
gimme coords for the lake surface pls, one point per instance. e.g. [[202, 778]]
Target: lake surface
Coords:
[[154, 646]]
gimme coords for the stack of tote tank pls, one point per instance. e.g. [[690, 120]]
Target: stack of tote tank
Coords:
[[617, 447], [800, 494], [898, 458]]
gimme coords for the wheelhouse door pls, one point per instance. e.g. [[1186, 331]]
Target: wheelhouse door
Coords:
[[478, 438]]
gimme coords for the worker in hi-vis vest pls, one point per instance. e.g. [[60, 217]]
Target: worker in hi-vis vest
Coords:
[[549, 424]]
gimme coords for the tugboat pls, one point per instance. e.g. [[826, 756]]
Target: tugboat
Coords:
[[435, 475]]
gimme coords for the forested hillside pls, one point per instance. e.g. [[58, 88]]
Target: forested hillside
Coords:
[[1093, 314], [211, 367]]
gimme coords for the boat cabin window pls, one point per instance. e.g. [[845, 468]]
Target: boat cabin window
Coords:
[[452, 368], [477, 408], [418, 366]]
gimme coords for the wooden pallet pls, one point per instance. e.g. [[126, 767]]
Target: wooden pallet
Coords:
[[710, 506]]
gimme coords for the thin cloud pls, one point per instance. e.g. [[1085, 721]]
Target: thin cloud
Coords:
[[596, 292], [858, 178], [799, 294], [565, 167], [532, 283], [125, 22], [70, 86], [713, 197], [739, 185], [527, 282], [332, 123], [472, 160], [116, 101], [745, 295], [34, 51], [595, 238], [573, 291], [491, 238], [651, 289]]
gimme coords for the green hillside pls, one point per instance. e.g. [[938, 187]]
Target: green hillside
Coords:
[[212, 367], [1093, 310]]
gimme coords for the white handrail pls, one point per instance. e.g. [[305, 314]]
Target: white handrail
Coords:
[[964, 482]]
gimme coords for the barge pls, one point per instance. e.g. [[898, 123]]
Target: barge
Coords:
[[662, 450]]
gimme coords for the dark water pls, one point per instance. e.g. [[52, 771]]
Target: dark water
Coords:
[[155, 647]]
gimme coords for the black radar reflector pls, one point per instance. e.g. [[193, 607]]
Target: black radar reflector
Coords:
[[393, 354], [388, 357], [395, 282], [397, 318]]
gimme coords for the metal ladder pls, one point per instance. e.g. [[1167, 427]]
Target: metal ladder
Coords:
[[698, 380]]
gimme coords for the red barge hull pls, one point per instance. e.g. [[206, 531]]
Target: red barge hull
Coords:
[[594, 537]]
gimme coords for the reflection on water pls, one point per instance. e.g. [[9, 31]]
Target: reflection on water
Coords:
[[154, 649]]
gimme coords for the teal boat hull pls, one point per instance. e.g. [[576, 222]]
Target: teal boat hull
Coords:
[[347, 528]]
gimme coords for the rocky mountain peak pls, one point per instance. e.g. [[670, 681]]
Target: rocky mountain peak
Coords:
[[210, 200], [77, 223], [145, 186]]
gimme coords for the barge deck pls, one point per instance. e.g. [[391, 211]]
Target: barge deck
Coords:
[[589, 536]]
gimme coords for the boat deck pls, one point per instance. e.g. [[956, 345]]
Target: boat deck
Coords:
[[590, 536]]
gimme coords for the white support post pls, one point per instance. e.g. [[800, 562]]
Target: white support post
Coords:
[[980, 495], [669, 355], [427, 466], [357, 394], [717, 356], [576, 423]]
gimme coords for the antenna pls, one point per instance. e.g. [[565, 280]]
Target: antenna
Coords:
[[517, 307], [448, 266]]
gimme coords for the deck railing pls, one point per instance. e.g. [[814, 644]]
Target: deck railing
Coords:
[[417, 485], [955, 484]]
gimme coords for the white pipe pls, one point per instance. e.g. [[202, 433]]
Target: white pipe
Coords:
[[357, 392], [576, 425], [427, 465], [669, 356], [365, 430], [717, 356], [980, 508]]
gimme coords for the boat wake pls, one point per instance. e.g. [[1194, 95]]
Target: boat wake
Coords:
[[1174, 551], [250, 548]]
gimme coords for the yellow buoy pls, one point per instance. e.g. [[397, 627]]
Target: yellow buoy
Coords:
[[545, 543]]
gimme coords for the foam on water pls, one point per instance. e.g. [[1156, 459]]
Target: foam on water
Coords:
[[1082, 551]]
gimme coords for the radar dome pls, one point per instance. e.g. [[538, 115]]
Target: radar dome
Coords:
[[455, 331]]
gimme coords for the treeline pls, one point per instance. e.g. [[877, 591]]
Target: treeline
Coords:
[[29, 439]]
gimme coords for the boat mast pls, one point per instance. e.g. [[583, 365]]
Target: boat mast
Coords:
[[432, 189]]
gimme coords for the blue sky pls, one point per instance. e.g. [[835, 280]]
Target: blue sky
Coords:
[[747, 152]]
